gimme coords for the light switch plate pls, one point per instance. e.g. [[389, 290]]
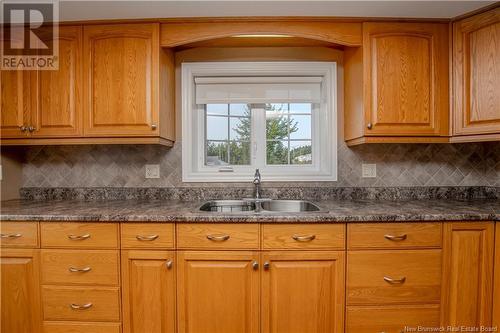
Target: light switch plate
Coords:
[[152, 171], [368, 170]]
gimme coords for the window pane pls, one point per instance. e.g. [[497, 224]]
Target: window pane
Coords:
[[241, 128], [216, 153], [300, 127], [300, 152], [300, 108], [239, 110], [217, 128], [239, 153], [276, 108], [220, 109], [277, 152], [277, 127]]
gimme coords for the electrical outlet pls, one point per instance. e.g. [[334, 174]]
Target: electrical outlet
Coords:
[[368, 170], [152, 171]]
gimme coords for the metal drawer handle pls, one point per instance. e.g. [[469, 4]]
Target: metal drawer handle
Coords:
[[396, 238], [80, 307], [394, 281], [79, 237], [79, 270], [10, 235], [307, 238], [169, 263], [147, 238], [220, 238]]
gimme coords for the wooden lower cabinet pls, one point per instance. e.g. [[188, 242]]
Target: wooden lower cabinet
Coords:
[[496, 284], [468, 274], [148, 291], [218, 291], [20, 301], [391, 319], [303, 292], [80, 327]]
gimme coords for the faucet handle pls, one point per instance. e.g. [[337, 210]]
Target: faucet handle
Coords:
[[257, 173]]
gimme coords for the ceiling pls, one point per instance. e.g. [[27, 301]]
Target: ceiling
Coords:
[[75, 10]]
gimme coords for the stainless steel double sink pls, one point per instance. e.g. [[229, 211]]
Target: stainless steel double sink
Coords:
[[261, 205]]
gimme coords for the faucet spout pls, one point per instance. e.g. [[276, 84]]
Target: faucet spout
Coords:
[[256, 182]]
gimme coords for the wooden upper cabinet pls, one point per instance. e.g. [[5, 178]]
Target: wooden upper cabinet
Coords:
[[20, 285], [476, 76], [57, 93], [303, 292], [15, 104], [121, 79], [406, 79]]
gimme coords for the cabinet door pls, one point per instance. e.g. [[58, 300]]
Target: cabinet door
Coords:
[[58, 110], [303, 292], [476, 65], [148, 291], [15, 103], [20, 301], [468, 274], [496, 284], [121, 79], [406, 79], [218, 292]]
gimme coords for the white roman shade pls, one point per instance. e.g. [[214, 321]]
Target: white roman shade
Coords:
[[252, 89]]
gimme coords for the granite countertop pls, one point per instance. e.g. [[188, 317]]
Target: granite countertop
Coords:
[[187, 211]]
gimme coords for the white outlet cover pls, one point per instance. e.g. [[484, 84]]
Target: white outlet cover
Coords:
[[152, 171], [368, 170]]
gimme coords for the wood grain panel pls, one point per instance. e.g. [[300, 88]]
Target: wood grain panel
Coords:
[[143, 235], [59, 92], [496, 283], [196, 236], [121, 79], [468, 274], [20, 301], [80, 327], [103, 265], [303, 292], [57, 302], [100, 235], [15, 103], [27, 232], [366, 271], [390, 319], [393, 235], [405, 79], [308, 236], [217, 292], [476, 68], [148, 291]]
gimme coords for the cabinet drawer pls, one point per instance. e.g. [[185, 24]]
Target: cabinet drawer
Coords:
[[96, 303], [80, 327], [394, 235], [218, 236], [303, 236], [19, 234], [80, 235], [398, 276], [391, 319], [80, 267], [147, 235]]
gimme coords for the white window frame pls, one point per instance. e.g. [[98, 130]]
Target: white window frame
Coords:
[[324, 124]]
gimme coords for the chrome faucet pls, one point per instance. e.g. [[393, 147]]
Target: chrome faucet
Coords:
[[256, 182]]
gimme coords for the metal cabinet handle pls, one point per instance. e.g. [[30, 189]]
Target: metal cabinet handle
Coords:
[[266, 265], [369, 126], [147, 238], [394, 281], [79, 237], [80, 307], [23, 128], [255, 265], [307, 238], [220, 238], [31, 129], [79, 270], [396, 238], [153, 127], [10, 235], [169, 263]]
